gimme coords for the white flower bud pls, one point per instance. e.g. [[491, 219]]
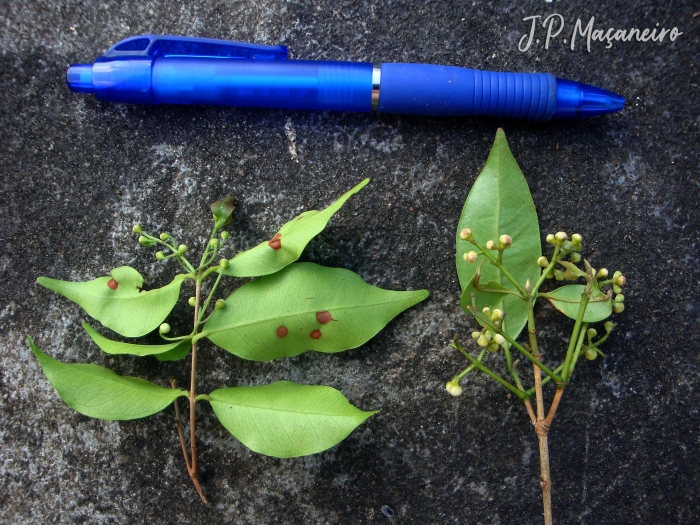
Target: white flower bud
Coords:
[[550, 238], [560, 237], [164, 328], [602, 273], [482, 341], [499, 339], [497, 315], [466, 235], [453, 388], [476, 335], [618, 307], [490, 245], [542, 262], [470, 257], [504, 241]]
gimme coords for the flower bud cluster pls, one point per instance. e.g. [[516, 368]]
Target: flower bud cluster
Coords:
[[487, 338], [618, 281], [504, 242]]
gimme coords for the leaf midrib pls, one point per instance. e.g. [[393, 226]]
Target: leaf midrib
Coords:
[[207, 333], [268, 409]]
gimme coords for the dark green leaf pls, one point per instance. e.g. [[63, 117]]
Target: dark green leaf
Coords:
[[500, 203], [288, 243], [567, 300], [98, 392], [169, 352], [127, 309], [276, 316], [285, 419], [222, 211]]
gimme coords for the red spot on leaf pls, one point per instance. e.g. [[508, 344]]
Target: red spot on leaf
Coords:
[[282, 331], [112, 284], [275, 243], [324, 317], [316, 334]]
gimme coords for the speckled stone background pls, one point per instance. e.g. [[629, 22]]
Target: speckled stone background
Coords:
[[77, 173]]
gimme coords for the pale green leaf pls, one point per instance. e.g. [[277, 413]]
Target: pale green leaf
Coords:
[[567, 300], [290, 300], [127, 310], [500, 203], [285, 419], [168, 352], [292, 238], [98, 392]]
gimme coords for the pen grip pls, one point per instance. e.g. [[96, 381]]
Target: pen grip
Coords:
[[422, 89]]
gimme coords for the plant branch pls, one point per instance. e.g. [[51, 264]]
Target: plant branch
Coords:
[[575, 333], [180, 433], [192, 469], [498, 264], [489, 372]]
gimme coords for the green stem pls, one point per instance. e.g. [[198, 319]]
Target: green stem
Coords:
[[546, 271], [577, 351], [489, 324], [546, 380], [575, 333], [211, 294], [511, 370], [464, 372], [477, 364], [497, 263]]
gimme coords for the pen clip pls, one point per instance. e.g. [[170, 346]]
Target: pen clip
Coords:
[[167, 46]]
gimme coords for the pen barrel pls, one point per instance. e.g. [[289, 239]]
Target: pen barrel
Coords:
[[294, 84], [422, 89]]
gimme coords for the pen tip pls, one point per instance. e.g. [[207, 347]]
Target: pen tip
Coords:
[[79, 78], [575, 99]]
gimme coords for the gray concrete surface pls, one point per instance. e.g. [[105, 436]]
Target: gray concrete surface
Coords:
[[76, 173]]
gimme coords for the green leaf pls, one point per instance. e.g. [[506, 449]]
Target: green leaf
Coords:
[[567, 300], [127, 310], [169, 352], [222, 211], [500, 203], [290, 240], [276, 316], [284, 419], [98, 392]]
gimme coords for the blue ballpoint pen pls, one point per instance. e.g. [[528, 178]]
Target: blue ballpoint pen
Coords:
[[153, 69]]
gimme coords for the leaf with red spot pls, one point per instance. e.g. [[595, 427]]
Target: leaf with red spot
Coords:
[[248, 325], [127, 310], [286, 246]]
